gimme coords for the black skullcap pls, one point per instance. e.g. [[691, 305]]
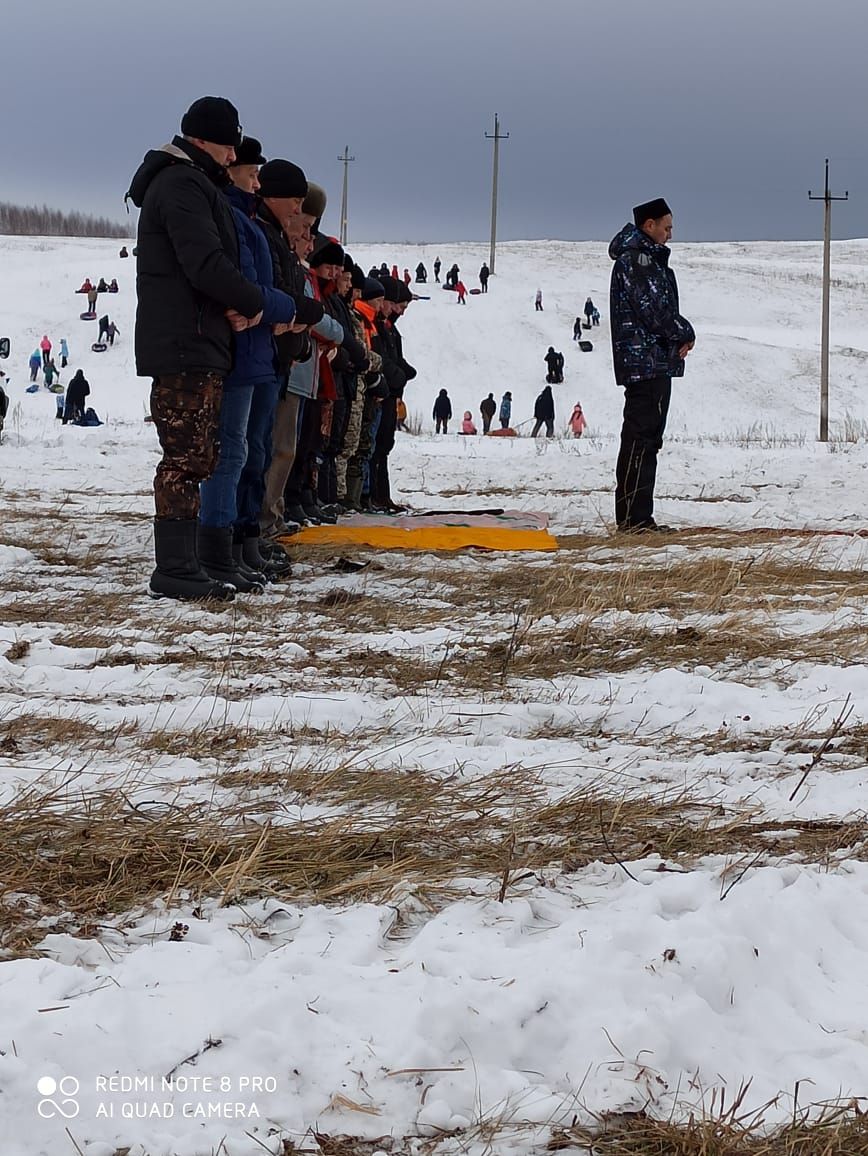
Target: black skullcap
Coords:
[[330, 253], [249, 152], [359, 278], [650, 211]]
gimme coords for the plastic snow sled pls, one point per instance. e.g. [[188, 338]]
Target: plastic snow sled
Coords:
[[586, 325], [33, 387], [509, 432], [87, 316], [586, 346], [99, 347], [448, 288], [475, 292]]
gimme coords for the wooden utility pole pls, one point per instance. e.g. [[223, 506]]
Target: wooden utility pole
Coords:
[[346, 160], [827, 199], [497, 138]]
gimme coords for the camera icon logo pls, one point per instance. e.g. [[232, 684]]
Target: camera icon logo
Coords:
[[58, 1097]]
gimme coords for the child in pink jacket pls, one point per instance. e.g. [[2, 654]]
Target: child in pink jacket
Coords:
[[577, 420], [467, 426]]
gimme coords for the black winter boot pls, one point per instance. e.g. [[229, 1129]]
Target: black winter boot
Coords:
[[270, 559], [215, 554], [179, 573], [313, 510], [243, 567]]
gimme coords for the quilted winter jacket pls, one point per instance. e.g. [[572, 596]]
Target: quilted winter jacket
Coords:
[[255, 354], [647, 329], [187, 270]]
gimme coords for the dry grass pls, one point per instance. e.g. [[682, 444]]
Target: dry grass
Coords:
[[837, 1131], [106, 853]]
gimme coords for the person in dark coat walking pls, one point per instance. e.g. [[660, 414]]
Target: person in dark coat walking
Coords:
[[577, 329], [484, 274], [192, 297], [488, 408], [650, 340], [442, 412], [437, 265], [421, 274], [589, 311], [544, 413], [76, 392]]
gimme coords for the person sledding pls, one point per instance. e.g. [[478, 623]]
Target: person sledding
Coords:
[[86, 286]]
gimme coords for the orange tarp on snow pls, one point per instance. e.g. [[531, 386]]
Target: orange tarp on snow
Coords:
[[391, 537]]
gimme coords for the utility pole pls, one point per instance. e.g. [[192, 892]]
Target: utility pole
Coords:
[[497, 138], [827, 199], [346, 159]]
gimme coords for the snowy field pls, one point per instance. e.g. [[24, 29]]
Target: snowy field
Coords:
[[456, 853]]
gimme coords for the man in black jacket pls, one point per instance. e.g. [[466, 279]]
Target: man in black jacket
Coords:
[[191, 296]]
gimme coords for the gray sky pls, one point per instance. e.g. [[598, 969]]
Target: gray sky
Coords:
[[725, 108]]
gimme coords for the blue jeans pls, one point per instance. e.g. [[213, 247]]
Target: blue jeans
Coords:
[[251, 485], [219, 492]]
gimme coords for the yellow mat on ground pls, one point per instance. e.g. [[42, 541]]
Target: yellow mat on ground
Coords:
[[424, 538]]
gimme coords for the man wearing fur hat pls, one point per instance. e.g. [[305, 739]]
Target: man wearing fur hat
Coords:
[[191, 296], [650, 340]]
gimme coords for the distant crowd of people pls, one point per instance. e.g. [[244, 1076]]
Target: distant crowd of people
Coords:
[[543, 415]]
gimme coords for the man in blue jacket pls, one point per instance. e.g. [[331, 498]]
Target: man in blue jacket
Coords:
[[253, 368], [650, 340]]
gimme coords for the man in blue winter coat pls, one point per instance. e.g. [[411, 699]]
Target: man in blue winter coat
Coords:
[[650, 340], [231, 497]]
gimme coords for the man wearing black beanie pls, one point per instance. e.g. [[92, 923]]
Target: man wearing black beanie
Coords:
[[191, 296], [650, 340]]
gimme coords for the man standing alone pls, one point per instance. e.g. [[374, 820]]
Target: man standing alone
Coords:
[[191, 296], [650, 340]]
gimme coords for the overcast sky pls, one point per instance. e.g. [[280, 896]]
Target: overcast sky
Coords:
[[725, 108]]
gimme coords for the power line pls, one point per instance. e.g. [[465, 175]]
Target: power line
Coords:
[[827, 199], [497, 138], [346, 160]]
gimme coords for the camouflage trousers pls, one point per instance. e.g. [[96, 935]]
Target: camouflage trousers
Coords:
[[351, 439], [186, 412]]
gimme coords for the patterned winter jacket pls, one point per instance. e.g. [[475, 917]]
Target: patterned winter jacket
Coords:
[[647, 329]]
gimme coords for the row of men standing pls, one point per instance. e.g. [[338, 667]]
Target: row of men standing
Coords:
[[275, 362]]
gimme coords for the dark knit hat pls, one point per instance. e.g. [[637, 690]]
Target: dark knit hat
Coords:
[[330, 253], [282, 179], [348, 263], [650, 211], [315, 201], [390, 288], [372, 289], [249, 152], [405, 294], [359, 277], [212, 118]]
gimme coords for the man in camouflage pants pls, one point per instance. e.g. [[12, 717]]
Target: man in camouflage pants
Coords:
[[650, 340], [191, 296]]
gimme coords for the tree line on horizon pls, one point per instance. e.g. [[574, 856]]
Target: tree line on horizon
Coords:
[[41, 221]]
